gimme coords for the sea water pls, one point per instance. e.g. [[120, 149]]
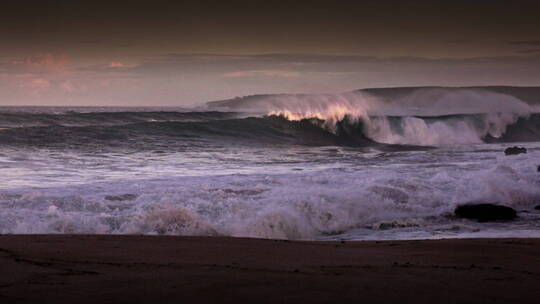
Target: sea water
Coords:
[[297, 167]]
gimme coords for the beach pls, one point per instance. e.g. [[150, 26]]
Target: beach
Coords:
[[167, 269]]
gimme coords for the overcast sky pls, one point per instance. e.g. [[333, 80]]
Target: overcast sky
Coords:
[[188, 52]]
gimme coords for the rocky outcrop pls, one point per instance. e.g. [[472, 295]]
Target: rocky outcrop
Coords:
[[515, 150], [485, 212]]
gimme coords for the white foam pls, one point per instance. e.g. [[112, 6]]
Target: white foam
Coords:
[[494, 112], [412, 190]]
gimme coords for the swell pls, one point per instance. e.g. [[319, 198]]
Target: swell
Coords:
[[74, 119], [261, 130], [374, 131]]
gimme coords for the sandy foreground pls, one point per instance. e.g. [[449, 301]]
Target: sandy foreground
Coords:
[[152, 269]]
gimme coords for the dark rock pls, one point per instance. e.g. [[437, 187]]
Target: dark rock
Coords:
[[538, 169], [121, 198], [537, 207], [515, 150], [485, 212]]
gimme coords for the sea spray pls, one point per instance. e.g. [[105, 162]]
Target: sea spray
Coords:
[[429, 117]]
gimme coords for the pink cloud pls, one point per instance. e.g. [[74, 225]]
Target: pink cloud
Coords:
[[267, 73], [116, 64], [34, 86], [67, 86], [39, 84], [40, 74], [24, 76], [46, 62]]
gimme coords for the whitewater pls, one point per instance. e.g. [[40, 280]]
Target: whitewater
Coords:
[[355, 165]]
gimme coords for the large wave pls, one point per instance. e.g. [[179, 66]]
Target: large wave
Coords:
[[423, 117], [284, 129], [197, 174], [426, 117]]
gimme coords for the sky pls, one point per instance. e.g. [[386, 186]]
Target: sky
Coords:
[[181, 53]]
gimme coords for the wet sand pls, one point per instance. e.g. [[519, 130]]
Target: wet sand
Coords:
[[152, 269]]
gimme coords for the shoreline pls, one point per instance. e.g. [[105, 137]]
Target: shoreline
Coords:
[[167, 269]]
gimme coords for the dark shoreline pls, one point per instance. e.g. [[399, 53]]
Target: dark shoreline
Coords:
[[161, 269]]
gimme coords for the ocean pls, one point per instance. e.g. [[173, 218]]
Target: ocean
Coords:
[[360, 165]]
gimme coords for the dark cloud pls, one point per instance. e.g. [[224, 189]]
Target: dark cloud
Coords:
[[530, 51], [525, 42], [370, 28], [112, 52], [309, 62], [91, 42]]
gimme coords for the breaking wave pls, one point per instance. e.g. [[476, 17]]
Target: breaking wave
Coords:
[[283, 129], [431, 117], [426, 117], [247, 167]]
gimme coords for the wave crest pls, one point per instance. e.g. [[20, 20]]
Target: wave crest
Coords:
[[428, 118]]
